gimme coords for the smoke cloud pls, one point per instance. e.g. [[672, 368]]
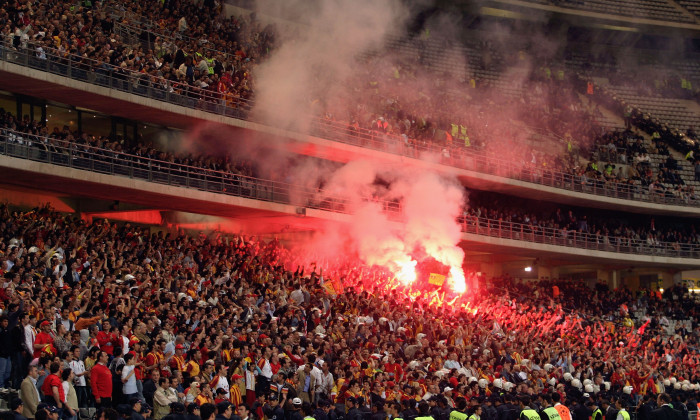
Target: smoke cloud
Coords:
[[313, 60], [400, 217]]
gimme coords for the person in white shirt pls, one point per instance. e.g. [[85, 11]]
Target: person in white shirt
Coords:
[[129, 377], [324, 385], [221, 381], [30, 334], [70, 407], [297, 295], [79, 372], [125, 339], [452, 362]]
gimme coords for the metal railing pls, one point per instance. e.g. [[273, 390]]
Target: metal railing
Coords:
[[93, 159], [157, 88], [105, 161], [573, 239]]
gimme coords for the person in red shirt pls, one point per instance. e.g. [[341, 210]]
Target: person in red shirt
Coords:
[[53, 387], [106, 338], [43, 343], [393, 369], [155, 359], [101, 381]]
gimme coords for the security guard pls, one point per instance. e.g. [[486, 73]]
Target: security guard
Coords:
[[476, 413], [308, 411], [563, 410], [548, 411], [622, 413], [393, 409], [424, 411], [527, 413], [460, 408], [597, 412]]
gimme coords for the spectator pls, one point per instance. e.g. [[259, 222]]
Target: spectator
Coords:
[[101, 381], [29, 393]]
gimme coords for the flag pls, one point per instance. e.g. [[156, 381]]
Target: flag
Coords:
[[436, 279]]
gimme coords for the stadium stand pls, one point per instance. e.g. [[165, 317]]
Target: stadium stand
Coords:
[[122, 321], [228, 96], [651, 9], [211, 313], [692, 6]]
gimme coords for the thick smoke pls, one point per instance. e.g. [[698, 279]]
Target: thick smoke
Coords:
[[400, 217], [312, 61]]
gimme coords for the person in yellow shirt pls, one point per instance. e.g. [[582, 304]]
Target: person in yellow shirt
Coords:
[[205, 395]]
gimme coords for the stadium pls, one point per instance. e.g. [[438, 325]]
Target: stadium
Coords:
[[350, 209]]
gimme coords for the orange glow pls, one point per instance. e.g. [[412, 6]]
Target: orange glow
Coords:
[[459, 283], [407, 272], [146, 217]]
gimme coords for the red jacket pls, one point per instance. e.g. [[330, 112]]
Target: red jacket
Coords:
[[50, 382], [107, 341], [101, 381]]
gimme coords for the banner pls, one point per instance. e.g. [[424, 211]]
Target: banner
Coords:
[[330, 289], [436, 279], [333, 287]]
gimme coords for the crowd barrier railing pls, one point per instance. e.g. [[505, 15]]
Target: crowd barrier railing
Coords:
[[153, 87], [68, 154], [574, 239]]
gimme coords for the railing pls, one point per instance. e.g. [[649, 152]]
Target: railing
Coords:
[[140, 84], [579, 240], [57, 152], [72, 155]]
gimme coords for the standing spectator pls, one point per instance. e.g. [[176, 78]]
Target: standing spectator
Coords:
[[79, 372], [43, 343], [71, 406], [5, 361], [101, 381], [53, 387], [106, 338], [250, 380], [324, 384], [150, 386], [306, 383], [29, 393], [19, 352], [129, 378], [162, 399]]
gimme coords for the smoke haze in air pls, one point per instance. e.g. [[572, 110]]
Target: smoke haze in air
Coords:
[[311, 61]]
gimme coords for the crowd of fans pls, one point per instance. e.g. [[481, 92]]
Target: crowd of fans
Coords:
[[155, 325], [148, 324], [213, 56]]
